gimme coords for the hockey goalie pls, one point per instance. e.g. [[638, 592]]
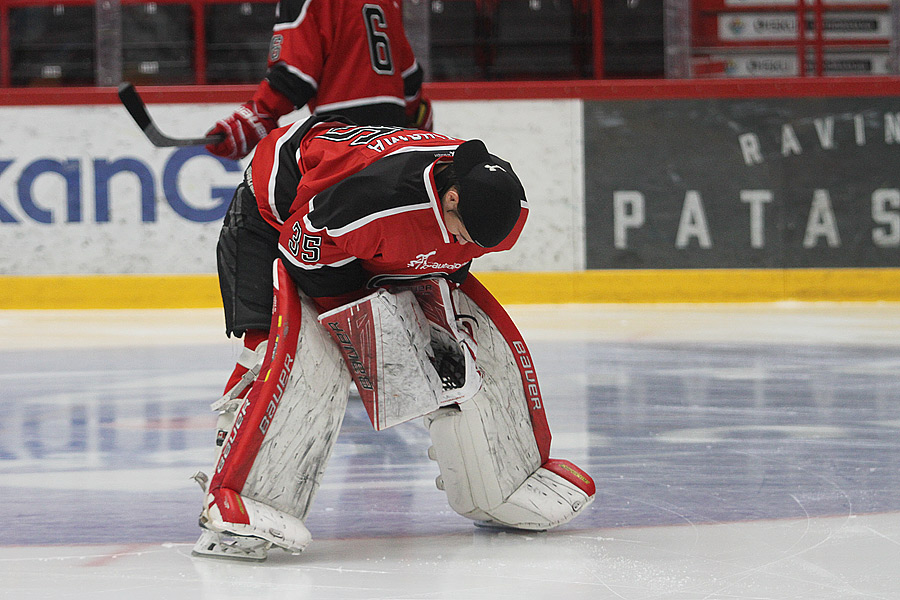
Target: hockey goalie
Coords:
[[366, 236]]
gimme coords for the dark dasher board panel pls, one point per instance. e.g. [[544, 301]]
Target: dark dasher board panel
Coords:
[[743, 183]]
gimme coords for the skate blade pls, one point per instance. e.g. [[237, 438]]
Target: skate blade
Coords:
[[493, 525], [227, 547], [234, 557]]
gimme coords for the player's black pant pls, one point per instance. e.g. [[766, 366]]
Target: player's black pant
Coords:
[[245, 252]]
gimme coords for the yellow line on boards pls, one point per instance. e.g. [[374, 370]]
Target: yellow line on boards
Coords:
[[650, 285], [109, 291], [695, 285]]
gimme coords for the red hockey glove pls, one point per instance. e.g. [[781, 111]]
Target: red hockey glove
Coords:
[[423, 117], [242, 130]]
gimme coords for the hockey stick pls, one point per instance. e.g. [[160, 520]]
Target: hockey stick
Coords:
[[138, 111]]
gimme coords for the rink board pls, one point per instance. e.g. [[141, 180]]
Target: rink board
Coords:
[[639, 192]]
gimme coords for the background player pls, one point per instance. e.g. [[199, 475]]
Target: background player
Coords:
[[347, 57]]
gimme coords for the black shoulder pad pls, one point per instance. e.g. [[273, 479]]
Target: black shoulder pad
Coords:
[[289, 10]]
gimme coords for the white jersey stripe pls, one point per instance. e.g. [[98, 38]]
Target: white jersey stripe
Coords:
[[412, 68], [324, 108], [273, 176], [406, 149], [300, 75], [295, 22], [293, 260], [360, 222], [435, 202]]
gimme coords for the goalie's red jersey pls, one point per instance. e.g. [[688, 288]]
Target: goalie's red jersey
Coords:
[[358, 206]]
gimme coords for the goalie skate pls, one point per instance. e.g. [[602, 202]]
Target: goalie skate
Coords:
[[230, 513], [223, 545]]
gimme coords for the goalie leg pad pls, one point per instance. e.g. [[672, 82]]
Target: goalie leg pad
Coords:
[[478, 488], [492, 450], [551, 496], [300, 437], [274, 456]]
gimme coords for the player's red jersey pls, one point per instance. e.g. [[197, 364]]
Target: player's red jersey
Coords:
[[357, 206], [349, 57]]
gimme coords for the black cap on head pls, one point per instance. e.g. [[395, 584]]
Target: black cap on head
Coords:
[[490, 194]]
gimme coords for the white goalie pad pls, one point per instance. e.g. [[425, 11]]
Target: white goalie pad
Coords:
[[553, 494], [272, 461], [390, 347], [291, 461], [491, 465]]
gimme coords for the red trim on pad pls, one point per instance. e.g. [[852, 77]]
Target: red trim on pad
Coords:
[[570, 472], [486, 301], [255, 415]]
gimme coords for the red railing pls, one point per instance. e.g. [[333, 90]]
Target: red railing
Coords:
[[627, 89], [197, 8], [590, 12], [582, 9]]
